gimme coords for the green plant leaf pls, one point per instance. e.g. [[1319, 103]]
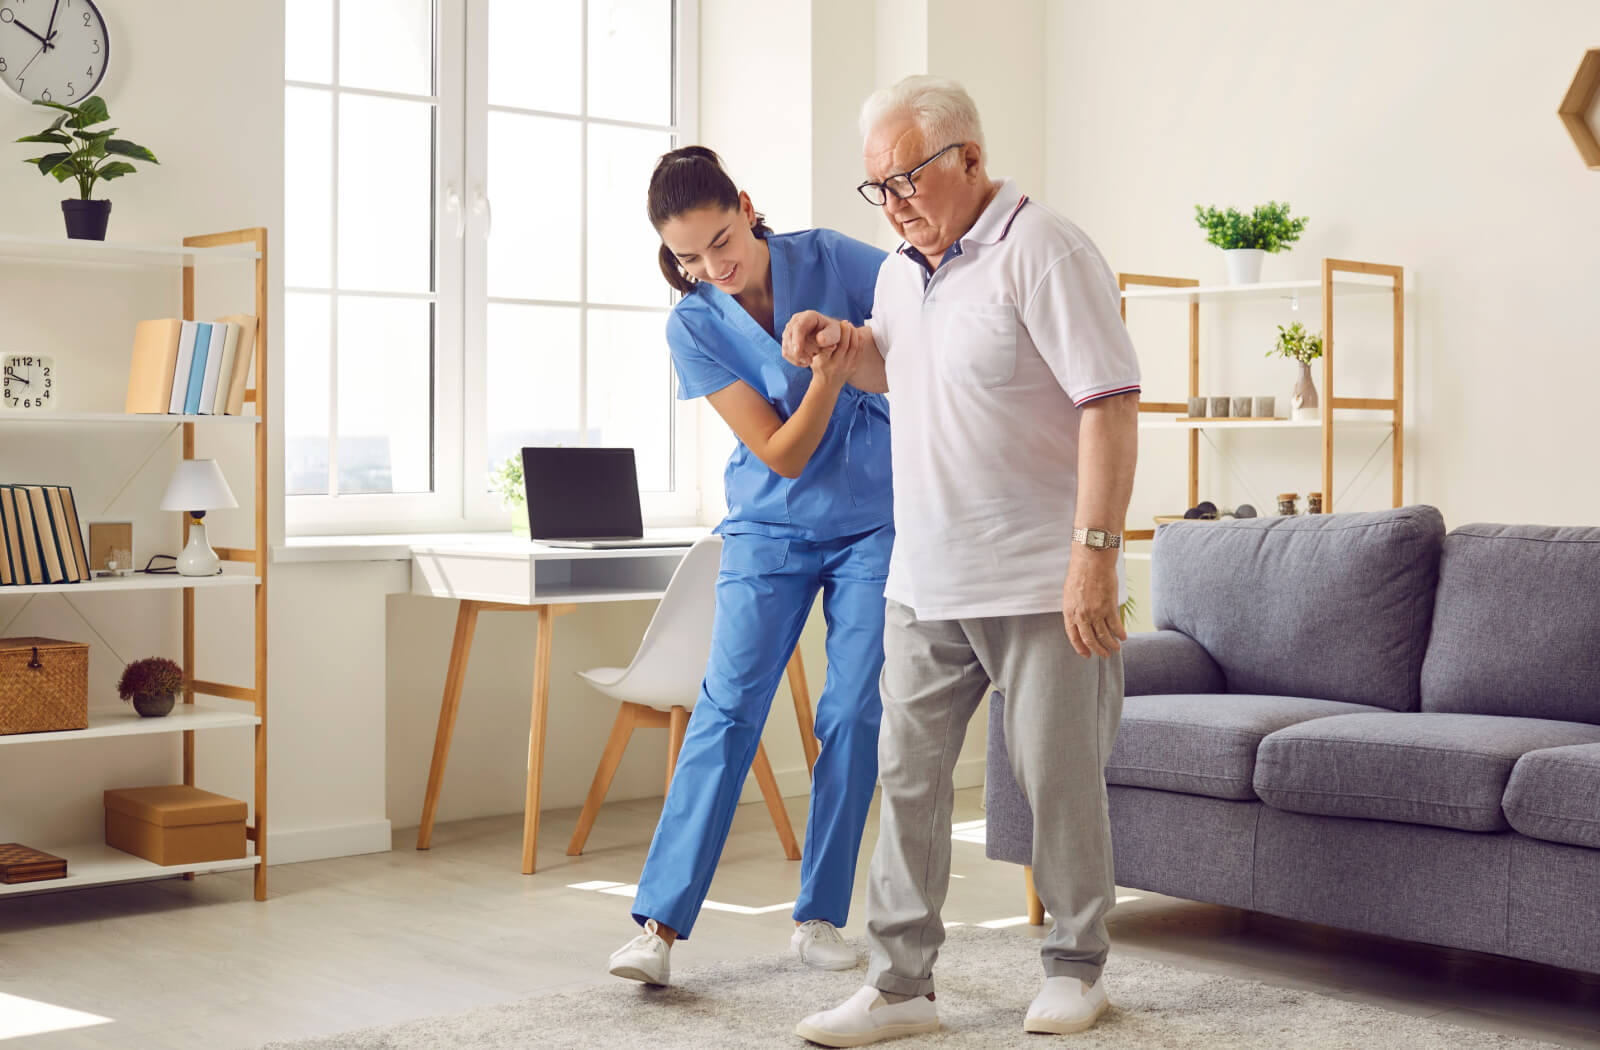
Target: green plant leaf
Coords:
[[92, 110], [48, 161], [73, 110], [47, 136], [116, 169], [124, 148], [58, 122], [67, 169], [94, 146]]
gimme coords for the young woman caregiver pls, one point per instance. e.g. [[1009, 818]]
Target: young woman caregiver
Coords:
[[809, 507]]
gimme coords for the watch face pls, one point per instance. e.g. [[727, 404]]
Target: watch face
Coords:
[[1095, 538], [52, 50], [28, 382]]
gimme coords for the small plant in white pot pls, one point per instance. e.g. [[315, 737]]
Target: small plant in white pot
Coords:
[[506, 482], [1303, 347], [1245, 240]]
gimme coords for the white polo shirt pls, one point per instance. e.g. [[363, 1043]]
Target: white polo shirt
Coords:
[[990, 362]]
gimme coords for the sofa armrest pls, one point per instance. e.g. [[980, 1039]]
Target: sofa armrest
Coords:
[[1157, 662], [1008, 819]]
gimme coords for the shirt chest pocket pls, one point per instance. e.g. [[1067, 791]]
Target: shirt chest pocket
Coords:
[[976, 345]]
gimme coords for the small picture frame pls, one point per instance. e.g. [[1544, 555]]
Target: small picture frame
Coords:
[[111, 548]]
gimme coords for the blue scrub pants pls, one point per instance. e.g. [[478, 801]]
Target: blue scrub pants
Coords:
[[765, 590]]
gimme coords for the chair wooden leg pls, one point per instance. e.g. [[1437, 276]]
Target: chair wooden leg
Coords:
[[769, 790], [677, 725], [621, 731], [802, 708], [1035, 905]]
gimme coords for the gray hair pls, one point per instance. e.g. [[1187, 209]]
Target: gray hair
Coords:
[[940, 108]]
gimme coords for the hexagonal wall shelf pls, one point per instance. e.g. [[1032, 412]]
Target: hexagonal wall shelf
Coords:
[[1580, 110]]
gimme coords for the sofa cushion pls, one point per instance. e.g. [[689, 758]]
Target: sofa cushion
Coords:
[[1332, 607], [1554, 795], [1205, 744], [1168, 662], [1449, 771], [1515, 624]]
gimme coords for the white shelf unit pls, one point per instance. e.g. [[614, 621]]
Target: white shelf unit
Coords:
[[91, 864], [1341, 278]]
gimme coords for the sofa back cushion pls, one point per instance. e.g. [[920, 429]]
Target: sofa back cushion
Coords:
[[1516, 629], [1332, 607]]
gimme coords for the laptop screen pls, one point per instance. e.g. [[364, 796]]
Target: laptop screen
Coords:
[[581, 493]]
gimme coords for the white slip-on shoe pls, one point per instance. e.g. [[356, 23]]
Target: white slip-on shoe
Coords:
[[818, 944], [1066, 1005], [646, 958], [867, 1017]]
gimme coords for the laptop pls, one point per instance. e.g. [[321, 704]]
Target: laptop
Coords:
[[586, 497]]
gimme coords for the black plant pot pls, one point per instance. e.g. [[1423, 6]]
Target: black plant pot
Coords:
[[86, 220]]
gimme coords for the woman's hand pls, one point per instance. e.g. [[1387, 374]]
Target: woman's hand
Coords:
[[839, 353], [807, 333]]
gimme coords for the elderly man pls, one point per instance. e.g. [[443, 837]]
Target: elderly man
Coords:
[[1014, 389]]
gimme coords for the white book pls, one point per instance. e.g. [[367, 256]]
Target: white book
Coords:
[[180, 380], [208, 389], [230, 347]]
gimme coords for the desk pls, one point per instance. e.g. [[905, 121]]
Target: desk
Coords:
[[502, 573]]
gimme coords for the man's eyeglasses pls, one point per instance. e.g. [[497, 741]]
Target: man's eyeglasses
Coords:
[[901, 185]]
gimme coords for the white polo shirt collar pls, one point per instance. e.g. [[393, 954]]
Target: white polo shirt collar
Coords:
[[994, 222]]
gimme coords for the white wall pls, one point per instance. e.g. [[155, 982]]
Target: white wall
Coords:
[[1422, 134]]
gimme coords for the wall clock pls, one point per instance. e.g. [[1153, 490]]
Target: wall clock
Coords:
[[52, 50], [28, 382]]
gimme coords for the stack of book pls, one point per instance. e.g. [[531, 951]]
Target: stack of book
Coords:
[[191, 368], [19, 863], [41, 536]]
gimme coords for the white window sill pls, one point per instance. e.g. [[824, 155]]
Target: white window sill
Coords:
[[372, 547]]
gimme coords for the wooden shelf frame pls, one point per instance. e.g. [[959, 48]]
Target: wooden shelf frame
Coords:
[[1329, 288]]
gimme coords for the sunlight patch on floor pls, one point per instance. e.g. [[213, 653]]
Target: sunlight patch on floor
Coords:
[[22, 1017], [968, 831], [620, 889]]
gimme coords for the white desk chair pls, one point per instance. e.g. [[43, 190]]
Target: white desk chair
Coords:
[[661, 685]]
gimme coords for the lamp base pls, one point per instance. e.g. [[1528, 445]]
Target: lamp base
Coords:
[[198, 559]]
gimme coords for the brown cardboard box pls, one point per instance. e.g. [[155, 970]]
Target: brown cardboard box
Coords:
[[175, 824]]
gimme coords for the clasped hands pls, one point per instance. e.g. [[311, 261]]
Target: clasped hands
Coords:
[[830, 347]]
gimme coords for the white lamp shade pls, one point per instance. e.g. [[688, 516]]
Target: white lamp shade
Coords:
[[198, 484]]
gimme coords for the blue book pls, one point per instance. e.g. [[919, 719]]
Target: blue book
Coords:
[[197, 368]]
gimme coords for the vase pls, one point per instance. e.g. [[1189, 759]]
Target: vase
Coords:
[[86, 220], [1244, 264], [1304, 397], [153, 705]]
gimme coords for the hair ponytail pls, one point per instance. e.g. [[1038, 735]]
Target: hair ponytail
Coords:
[[685, 179]]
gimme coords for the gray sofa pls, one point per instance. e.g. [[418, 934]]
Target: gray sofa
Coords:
[[1359, 721]]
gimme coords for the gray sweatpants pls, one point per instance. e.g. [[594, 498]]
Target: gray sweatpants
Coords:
[[1061, 718]]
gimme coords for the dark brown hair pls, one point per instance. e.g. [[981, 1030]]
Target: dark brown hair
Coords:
[[685, 179]]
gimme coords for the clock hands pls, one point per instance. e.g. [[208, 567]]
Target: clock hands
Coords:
[[50, 30], [18, 22], [12, 375]]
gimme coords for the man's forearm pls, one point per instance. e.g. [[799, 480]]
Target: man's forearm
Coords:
[[1108, 449]]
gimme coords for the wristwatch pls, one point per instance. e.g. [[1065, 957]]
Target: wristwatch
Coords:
[[1097, 539]]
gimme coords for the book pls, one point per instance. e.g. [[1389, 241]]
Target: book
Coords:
[[44, 534], [180, 370], [155, 356], [8, 505], [75, 527], [19, 863], [7, 524], [240, 378], [32, 559], [58, 522], [230, 348], [208, 389], [197, 368]]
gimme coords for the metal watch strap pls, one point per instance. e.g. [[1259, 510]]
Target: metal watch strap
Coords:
[[1113, 540]]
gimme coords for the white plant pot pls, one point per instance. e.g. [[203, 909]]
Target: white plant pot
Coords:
[[1244, 264]]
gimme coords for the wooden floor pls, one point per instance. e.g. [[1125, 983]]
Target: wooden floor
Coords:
[[383, 938]]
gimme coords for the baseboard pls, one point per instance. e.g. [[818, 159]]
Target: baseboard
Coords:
[[346, 840], [796, 782]]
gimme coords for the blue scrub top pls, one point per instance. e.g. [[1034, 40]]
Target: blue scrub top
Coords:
[[844, 488]]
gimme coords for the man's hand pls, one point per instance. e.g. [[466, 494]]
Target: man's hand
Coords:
[[835, 365], [1089, 603], [807, 334]]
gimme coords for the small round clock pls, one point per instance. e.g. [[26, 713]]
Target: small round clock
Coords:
[[28, 382], [52, 50]]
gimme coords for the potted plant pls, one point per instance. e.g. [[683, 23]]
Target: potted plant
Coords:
[[1296, 344], [87, 158], [506, 482], [152, 684], [1246, 239]]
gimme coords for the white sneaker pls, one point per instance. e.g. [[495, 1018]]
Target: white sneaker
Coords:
[[818, 944], [1066, 1005], [645, 958], [867, 1017]]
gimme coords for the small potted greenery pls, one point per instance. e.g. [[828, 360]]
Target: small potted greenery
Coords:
[[152, 684], [1296, 344], [87, 158], [506, 482], [1245, 240]]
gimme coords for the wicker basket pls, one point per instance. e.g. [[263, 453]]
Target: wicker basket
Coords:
[[44, 685]]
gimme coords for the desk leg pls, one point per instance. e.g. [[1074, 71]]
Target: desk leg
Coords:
[[536, 724], [466, 623], [802, 708]]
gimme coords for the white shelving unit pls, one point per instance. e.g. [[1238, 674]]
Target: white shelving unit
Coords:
[[239, 707]]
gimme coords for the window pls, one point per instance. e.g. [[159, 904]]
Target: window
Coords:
[[468, 268]]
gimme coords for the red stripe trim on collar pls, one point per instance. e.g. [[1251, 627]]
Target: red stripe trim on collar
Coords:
[[1012, 217]]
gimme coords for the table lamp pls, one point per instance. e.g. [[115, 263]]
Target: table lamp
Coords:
[[198, 486]]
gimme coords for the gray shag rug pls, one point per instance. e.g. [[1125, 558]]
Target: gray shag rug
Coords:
[[986, 979]]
